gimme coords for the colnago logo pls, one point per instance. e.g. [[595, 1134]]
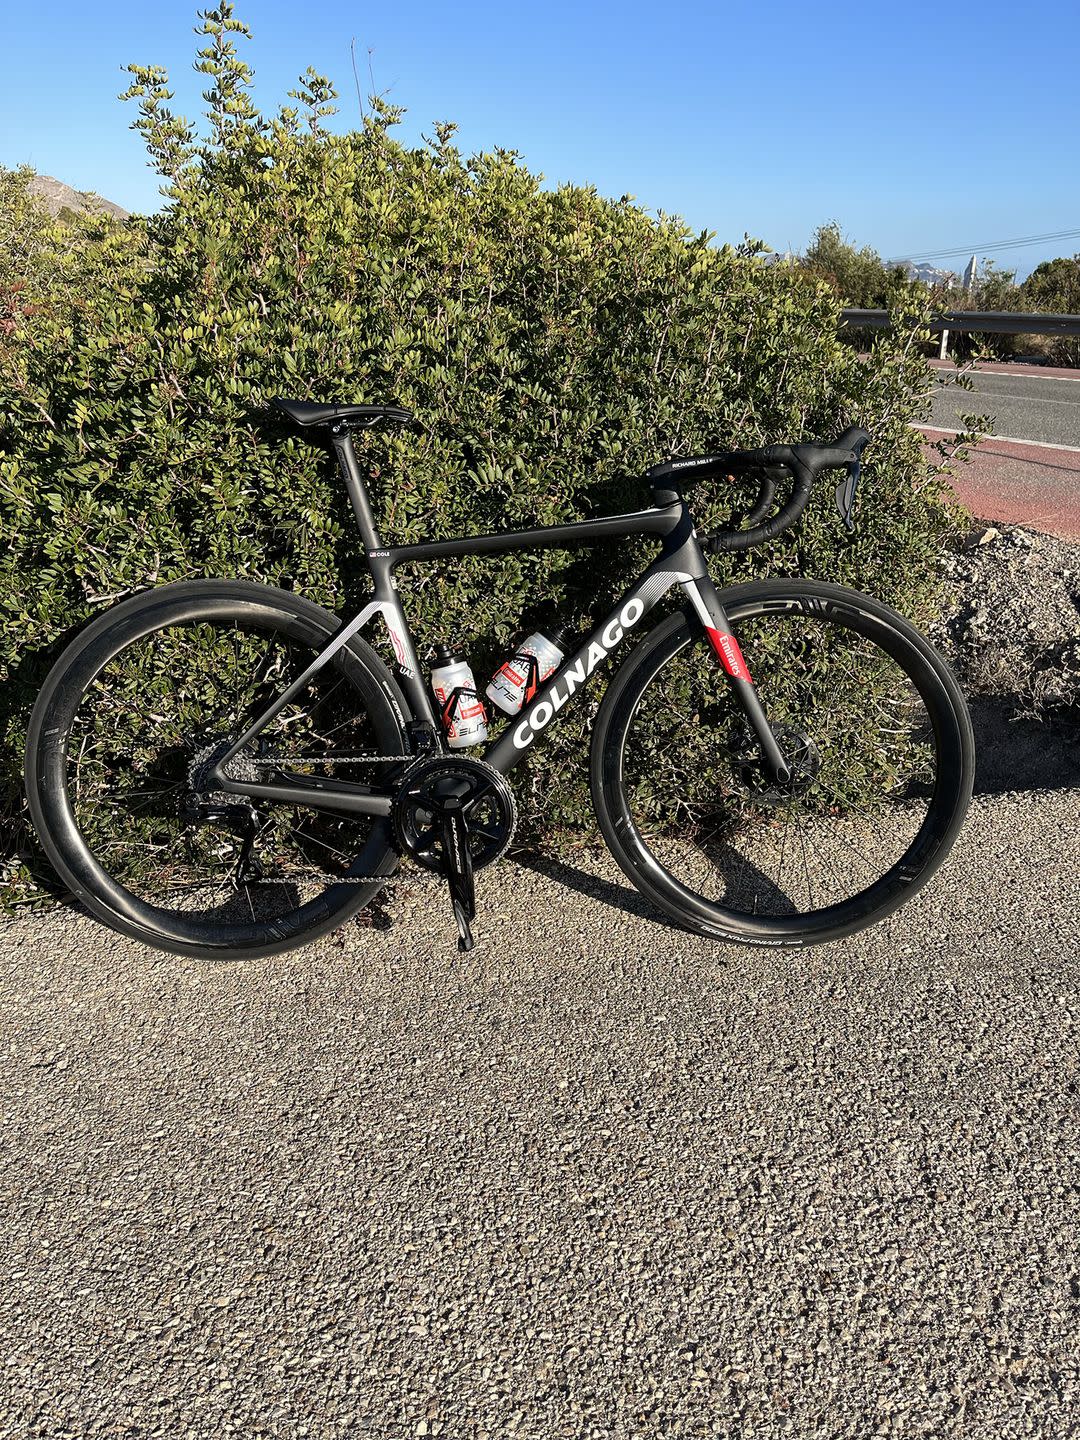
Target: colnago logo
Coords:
[[575, 674]]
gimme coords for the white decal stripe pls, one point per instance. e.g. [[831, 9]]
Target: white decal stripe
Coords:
[[698, 603]]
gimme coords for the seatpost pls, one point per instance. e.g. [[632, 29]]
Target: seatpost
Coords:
[[354, 483]]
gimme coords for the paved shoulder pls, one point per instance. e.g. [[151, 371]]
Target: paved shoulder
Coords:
[[600, 1178]]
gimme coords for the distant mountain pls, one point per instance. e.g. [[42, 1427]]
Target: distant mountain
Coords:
[[928, 274], [58, 197]]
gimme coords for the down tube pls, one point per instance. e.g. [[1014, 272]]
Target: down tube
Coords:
[[517, 740]]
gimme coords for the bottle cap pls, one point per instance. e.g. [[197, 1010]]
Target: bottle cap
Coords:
[[559, 635], [445, 656]]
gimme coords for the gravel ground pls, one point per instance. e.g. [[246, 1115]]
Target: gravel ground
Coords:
[[600, 1178], [597, 1179], [1011, 631]]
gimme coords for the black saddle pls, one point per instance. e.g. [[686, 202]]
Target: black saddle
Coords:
[[310, 416]]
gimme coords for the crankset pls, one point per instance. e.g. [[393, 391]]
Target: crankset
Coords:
[[454, 815]]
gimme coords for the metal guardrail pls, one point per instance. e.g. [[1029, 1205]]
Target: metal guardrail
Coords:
[[995, 322]]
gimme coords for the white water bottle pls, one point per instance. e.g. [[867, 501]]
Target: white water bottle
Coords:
[[460, 707], [533, 662]]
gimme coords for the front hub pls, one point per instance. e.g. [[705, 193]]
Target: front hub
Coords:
[[800, 751]]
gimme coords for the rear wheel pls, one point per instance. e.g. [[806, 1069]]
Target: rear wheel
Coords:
[[877, 736], [128, 723]]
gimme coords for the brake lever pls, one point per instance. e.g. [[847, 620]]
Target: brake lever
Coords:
[[845, 493]]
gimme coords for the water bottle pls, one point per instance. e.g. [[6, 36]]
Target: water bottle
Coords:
[[533, 662], [461, 709]]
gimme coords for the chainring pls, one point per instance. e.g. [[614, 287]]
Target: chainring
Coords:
[[446, 782]]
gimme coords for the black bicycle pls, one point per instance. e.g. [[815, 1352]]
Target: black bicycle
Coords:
[[187, 757]]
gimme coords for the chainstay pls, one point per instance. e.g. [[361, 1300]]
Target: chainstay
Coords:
[[268, 762]]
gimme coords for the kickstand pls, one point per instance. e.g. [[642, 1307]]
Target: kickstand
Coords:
[[459, 876]]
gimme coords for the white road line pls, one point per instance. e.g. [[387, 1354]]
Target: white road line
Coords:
[[1027, 399], [1009, 439]]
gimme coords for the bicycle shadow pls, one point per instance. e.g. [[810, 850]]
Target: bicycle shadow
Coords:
[[1016, 752], [593, 887], [1013, 753], [624, 897]]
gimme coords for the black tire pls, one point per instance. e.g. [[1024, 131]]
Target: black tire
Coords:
[[680, 798], [136, 644]]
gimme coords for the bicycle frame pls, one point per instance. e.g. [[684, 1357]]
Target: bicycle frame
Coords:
[[681, 561]]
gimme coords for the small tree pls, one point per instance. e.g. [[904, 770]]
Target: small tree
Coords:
[[859, 277], [1054, 287], [993, 290]]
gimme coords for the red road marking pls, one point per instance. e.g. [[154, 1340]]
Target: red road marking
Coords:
[[1021, 484], [1021, 372]]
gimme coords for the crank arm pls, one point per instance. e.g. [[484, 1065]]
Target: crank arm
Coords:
[[459, 875]]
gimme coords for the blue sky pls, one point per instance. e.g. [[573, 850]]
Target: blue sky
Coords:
[[916, 126]]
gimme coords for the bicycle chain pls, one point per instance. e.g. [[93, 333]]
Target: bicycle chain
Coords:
[[421, 876], [267, 762]]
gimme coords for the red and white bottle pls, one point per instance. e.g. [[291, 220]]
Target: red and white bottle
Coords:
[[461, 710], [535, 660]]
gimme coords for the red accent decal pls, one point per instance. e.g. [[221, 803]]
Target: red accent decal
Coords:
[[729, 654], [399, 648]]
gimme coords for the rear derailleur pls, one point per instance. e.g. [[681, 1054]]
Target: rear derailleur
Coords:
[[242, 822], [454, 815], [202, 805]]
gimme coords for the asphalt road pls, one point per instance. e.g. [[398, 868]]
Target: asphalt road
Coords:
[[597, 1179], [1025, 407]]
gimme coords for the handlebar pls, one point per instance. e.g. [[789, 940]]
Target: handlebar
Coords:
[[805, 462]]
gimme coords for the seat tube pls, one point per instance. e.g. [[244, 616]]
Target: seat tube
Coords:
[[354, 483], [706, 602]]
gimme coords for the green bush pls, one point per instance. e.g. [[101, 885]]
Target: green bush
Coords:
[[993, 290], [551, 342], [1054, 287], [859, 278]]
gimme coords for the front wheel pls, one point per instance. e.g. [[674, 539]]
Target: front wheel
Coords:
[[877, 737]]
